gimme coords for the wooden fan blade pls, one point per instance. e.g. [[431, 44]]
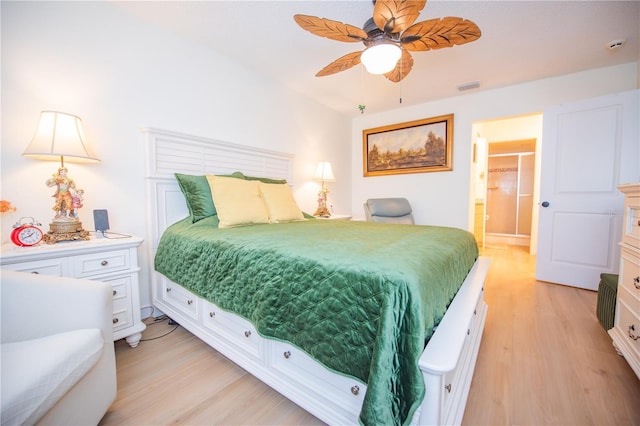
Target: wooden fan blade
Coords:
[[402, 69], [394, 16], [439, 33], [330, 29], [341, 64]]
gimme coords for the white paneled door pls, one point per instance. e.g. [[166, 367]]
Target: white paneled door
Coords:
[[588, 148]]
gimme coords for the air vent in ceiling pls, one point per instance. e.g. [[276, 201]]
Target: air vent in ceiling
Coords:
[[469, 85], [616, 44]]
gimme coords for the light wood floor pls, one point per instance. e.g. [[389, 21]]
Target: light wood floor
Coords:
[[544, 360]]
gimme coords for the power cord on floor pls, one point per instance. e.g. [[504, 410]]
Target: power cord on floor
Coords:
[[160, 319]]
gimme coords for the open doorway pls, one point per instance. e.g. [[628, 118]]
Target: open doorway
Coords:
[[506, 180]]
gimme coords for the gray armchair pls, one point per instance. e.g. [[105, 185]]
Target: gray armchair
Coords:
[[388, 210]]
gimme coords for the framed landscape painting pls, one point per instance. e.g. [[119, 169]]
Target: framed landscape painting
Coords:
[[413, 147]]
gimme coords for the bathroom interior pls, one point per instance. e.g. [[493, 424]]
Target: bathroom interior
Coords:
[[507, 169]]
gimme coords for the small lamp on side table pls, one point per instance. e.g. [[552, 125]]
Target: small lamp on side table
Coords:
[[324, 173], [60, 135]]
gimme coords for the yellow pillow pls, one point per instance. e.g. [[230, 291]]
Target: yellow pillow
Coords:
[[238, 202], [280, 203]]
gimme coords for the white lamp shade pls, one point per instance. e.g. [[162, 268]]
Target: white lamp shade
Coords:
[[59, 135], [381, 58], [324, 172]]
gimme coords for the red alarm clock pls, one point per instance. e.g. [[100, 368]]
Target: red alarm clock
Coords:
[[26, 234]]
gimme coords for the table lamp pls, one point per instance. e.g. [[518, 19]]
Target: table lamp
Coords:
[[60, 136], [323, 173]]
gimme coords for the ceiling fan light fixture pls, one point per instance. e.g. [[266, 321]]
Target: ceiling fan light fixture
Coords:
[[381, 58], [389, 36]]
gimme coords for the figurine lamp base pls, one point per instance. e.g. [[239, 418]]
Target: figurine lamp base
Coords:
[[60, 231]]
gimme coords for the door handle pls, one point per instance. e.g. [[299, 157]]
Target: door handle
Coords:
[[545, 204]]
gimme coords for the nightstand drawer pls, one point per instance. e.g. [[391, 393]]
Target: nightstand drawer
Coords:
[[101, 263], [55, 267], [121, 287], [122, 318], [122, 308]]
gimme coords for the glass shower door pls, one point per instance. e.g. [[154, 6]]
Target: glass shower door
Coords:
[[510, 194]]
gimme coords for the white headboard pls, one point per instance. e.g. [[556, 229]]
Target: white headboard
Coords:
[[167, 153]]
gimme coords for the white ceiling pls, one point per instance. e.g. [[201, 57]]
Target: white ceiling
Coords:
[[521, 41]]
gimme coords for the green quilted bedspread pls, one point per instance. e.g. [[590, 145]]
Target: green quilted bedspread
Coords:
[[361, 298]]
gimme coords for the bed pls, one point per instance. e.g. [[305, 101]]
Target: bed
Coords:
[[331, 314]]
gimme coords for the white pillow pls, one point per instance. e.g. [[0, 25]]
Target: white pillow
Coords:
[[238, 202], [280, 203]]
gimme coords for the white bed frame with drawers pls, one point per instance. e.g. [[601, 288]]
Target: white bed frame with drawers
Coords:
[[447, 362]]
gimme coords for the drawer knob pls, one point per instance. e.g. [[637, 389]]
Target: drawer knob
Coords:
[[115, 320], [468, 331], [448, 388], [35, 272], [632, 334], [212, 314], [115, 292], [636, 282], [355, 389], [247, 333], [104, 262], [168, 289], [475, 312], [189, 302], [287, 354]]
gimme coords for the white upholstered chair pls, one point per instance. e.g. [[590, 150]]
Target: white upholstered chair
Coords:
[[388, 210], [58, 361]]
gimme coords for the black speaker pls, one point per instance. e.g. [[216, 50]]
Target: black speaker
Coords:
[[101, 220]]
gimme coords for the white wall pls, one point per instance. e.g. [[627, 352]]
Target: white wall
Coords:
[[120, 74], [445, 198]]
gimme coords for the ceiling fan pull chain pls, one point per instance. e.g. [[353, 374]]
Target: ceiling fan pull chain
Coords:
[[401, 78], [362, 106]]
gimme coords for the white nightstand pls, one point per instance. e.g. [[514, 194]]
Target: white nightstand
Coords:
[[336, 217], [112, 260]]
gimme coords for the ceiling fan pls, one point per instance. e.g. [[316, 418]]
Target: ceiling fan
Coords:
[[389, 36]]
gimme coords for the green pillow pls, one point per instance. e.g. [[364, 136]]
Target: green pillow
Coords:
[[265, 180], [209, 221], [197, 194]]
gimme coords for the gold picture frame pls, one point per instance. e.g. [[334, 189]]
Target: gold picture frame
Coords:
[[418, 146]]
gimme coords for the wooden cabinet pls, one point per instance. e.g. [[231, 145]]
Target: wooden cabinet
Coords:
[[114, 261], [626, 330]]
